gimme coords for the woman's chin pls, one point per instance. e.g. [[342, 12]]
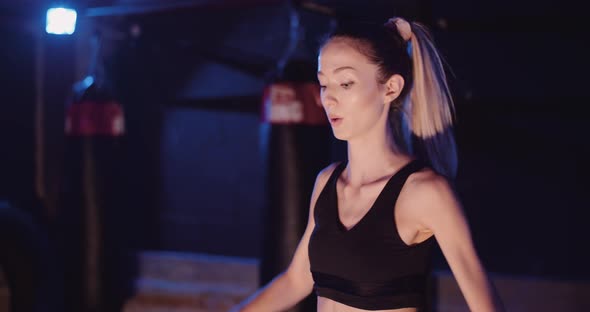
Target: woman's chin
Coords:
[[339, 135]]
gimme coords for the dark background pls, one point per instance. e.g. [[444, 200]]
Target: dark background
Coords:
[[189, 175]]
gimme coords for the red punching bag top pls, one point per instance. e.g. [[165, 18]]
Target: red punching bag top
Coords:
[[95, 118], [293, 103]]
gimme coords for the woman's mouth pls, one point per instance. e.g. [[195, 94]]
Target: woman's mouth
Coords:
[[335, 120]]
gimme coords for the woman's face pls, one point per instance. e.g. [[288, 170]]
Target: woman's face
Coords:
[[353, 99]]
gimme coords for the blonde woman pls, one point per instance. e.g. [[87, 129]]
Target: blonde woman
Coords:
[[374, 218]]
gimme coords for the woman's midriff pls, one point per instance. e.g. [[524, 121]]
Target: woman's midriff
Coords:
[[329, 305]]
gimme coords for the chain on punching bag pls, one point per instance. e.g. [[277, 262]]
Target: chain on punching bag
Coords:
[[297, 139]]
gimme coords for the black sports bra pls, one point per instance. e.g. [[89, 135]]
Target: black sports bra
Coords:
[[368, 266]]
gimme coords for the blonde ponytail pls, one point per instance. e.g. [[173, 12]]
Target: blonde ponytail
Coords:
[[430, 104]]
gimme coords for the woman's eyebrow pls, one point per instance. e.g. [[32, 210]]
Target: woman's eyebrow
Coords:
[[338, 69]]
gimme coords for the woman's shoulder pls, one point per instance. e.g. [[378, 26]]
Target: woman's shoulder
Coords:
[[427, 183], [429, 199], [321, 181], [325, 174]]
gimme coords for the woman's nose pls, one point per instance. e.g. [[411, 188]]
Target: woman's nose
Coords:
[[328, 99]]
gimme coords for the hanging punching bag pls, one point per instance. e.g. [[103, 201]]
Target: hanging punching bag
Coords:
[[296, 135], [94, 122]]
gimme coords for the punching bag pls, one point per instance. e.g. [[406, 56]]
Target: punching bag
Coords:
[[296, 140], [94, 124]]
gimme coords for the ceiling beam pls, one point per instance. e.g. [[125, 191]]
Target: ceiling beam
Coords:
[[158, 6]]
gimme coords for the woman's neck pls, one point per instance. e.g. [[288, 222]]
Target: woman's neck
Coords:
[[372, 157]]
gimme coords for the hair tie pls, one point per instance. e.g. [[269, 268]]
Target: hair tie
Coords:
[[403, 27]]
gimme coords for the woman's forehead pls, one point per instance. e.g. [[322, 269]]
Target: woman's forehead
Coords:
[[339, 53]]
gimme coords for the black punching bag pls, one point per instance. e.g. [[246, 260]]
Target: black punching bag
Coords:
[[94, 127], [296, 141]]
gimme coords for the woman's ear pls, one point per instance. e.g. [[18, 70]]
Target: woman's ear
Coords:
[[393, 88]]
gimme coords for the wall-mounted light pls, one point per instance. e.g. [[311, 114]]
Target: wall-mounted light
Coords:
[[61, 21]]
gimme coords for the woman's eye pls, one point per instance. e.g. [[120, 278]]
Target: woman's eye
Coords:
[[322, 87], [346, 85]]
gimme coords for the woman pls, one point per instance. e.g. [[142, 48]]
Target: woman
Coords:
[[373, 219]]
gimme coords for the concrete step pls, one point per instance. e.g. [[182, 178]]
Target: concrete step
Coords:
[[156, 295], [519, 294], [183, 282], [188, 267]]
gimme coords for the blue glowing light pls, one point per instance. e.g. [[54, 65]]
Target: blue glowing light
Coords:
[[61, 21]]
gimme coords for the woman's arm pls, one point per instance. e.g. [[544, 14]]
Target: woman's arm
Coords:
[[438, 210], [293, 285]]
